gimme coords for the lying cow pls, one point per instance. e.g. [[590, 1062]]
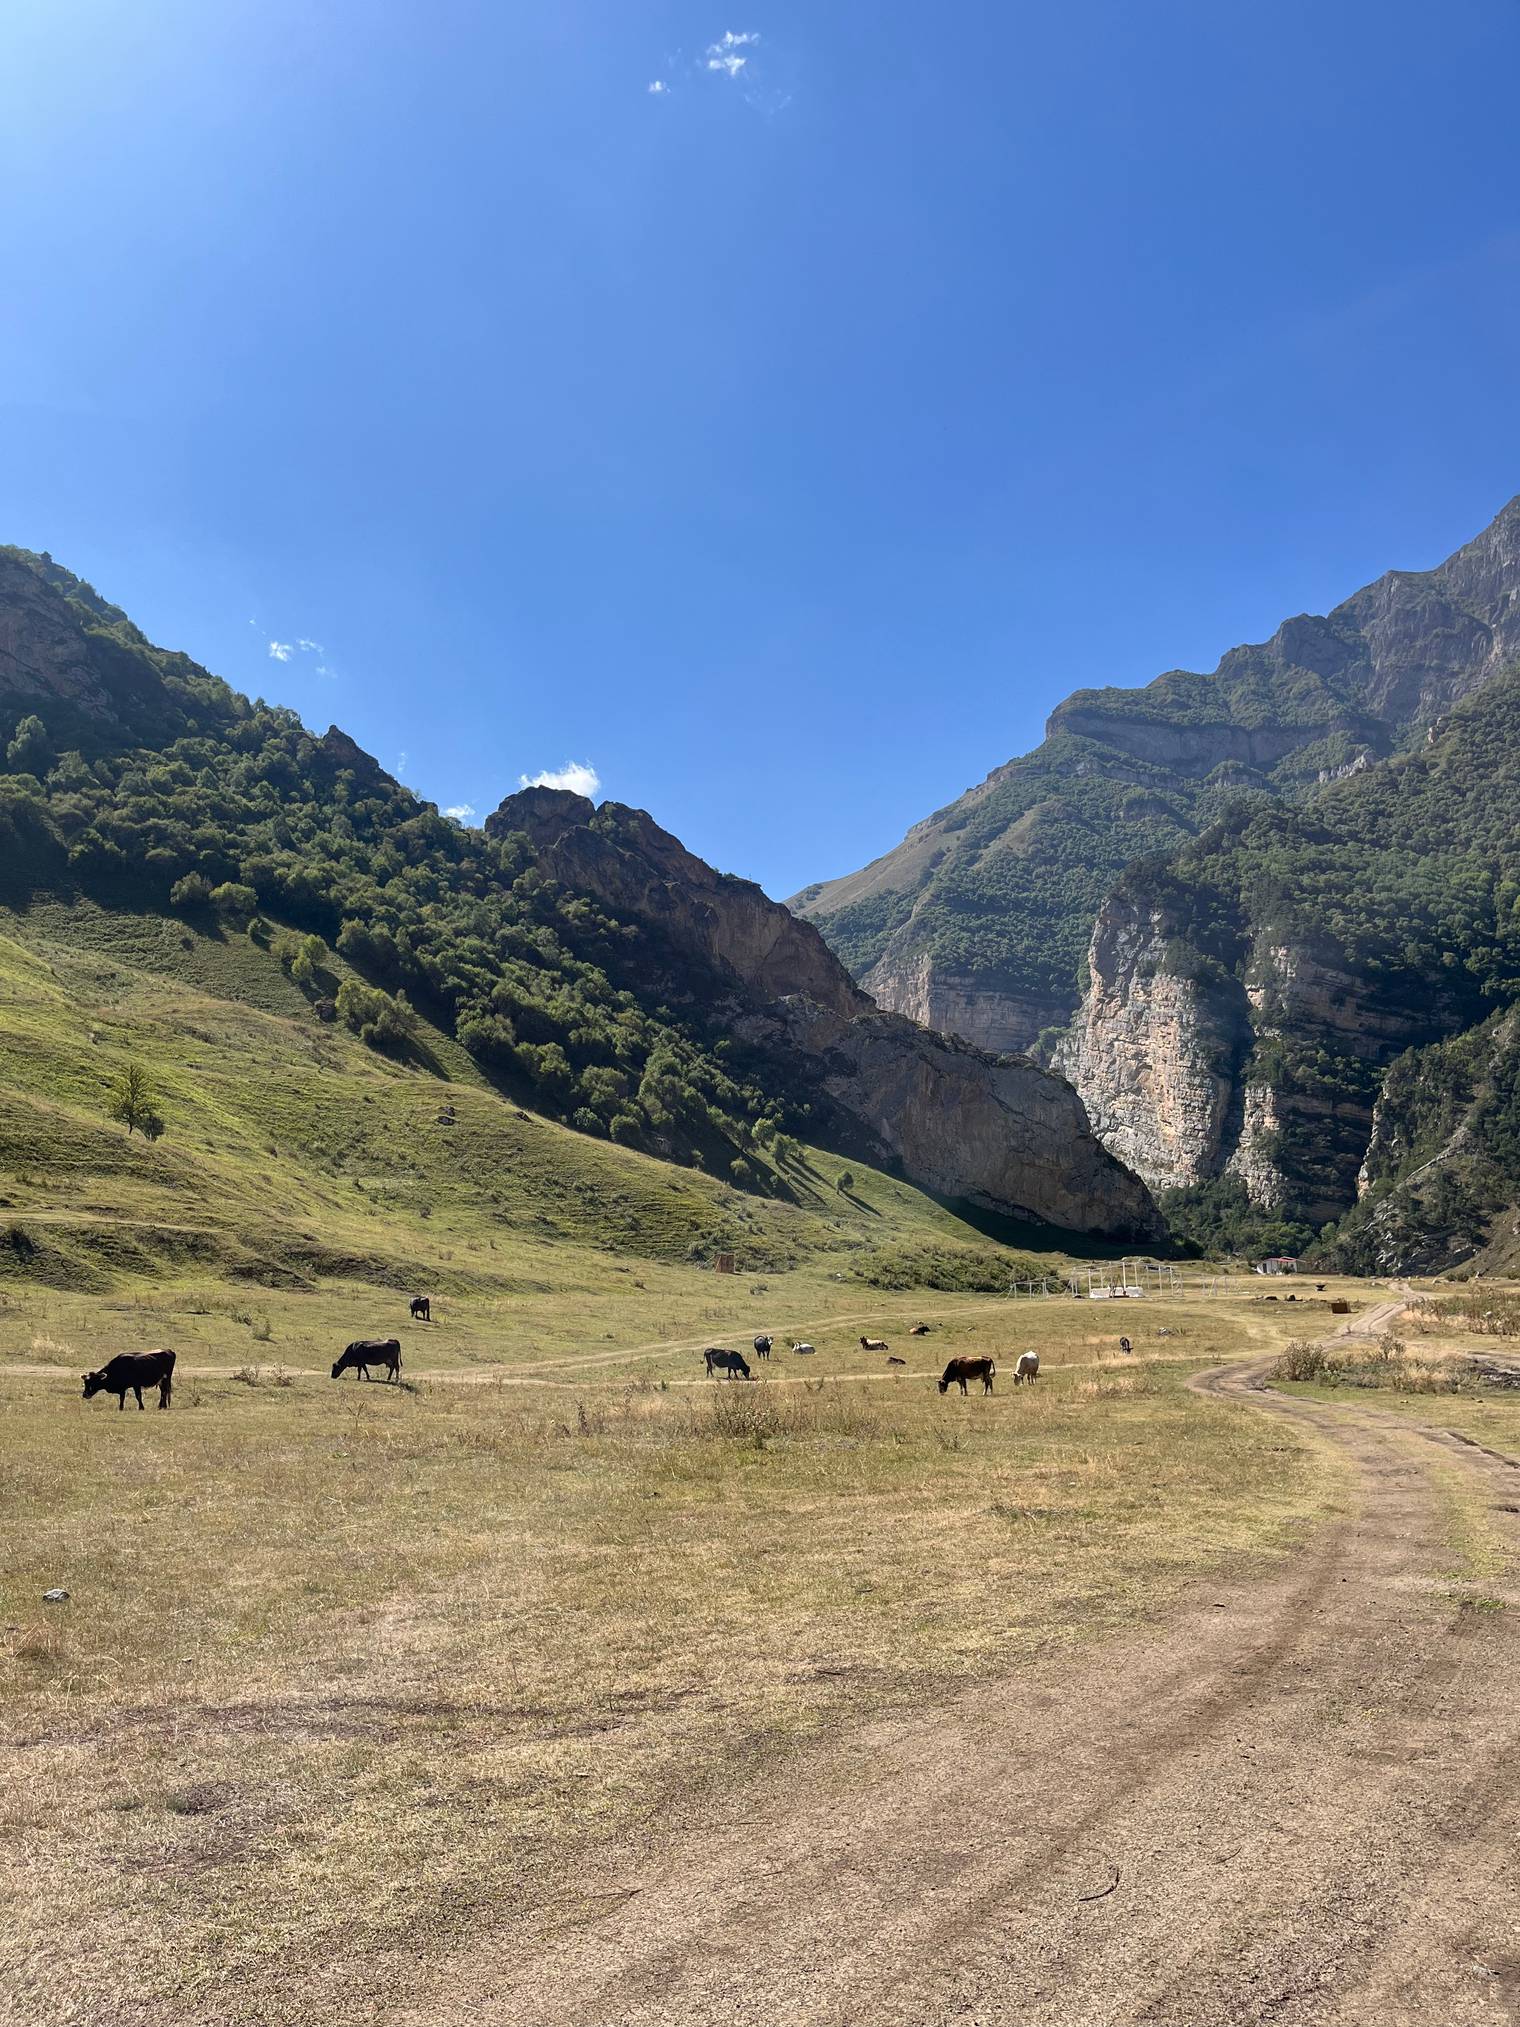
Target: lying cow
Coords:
[[731, 1362], [804, 1350], [367, 1351], [422, 1309], [919, 1330], [1027, 1367], [762, 1347], [132, 1371], [959, 1370], [874, 1344]]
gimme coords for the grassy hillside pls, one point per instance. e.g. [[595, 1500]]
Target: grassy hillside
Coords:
[[294, 1156]]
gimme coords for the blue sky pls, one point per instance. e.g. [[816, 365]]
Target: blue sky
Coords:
[[783, 444]]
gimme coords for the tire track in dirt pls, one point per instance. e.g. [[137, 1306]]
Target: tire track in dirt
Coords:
[[1309, 1783]]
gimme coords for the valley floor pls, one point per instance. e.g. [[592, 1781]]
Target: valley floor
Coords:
[[571, 1686]]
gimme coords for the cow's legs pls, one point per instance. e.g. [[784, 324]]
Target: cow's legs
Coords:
[[137, 1396], [163, 1395]]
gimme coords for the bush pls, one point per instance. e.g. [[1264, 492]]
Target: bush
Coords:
[[378, 1020], [1303, 1361], [193, 891], [31, 751], [232, 898]]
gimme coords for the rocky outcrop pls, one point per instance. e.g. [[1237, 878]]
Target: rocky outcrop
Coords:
[[636, 869], [1259, 1061], [991, 1011], [84, 669], [1155, 1050], [1000, 1134]]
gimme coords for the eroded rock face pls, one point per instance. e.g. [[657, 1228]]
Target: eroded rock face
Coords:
[[989, 1010], [1001, 1134], [1188, 1073], [1154, 1054], [622, 856]]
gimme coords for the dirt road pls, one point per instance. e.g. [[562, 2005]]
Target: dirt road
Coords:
[[1295, 1801]]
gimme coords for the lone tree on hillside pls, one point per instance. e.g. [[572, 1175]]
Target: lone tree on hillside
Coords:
[[31, 751], [845, 1183], [134, 1102]]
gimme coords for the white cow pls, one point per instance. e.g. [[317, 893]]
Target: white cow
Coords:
[[804, 1350], [1028, 1367]]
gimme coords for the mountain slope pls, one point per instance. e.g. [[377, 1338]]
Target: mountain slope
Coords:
[[977, 923], [1248, 997], [580, 959]]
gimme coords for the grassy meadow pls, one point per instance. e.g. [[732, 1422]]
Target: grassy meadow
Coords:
[[348, 1670]]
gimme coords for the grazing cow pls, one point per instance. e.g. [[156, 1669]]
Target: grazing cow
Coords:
[[804, 1350], [762, 1347], [133, 1370], [919, 1330], [962, 1369], [731, 1362], [1027, 1367], [874, 1344], [367, 1351], [896, 1361], [422, 1309], [1124, 1345]]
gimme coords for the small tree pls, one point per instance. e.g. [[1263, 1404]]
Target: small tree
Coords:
[[233, 898], [31, 751], [134, 1102], [845, 1183]]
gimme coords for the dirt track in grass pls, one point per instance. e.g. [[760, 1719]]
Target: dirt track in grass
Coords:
[[1296, 1801]]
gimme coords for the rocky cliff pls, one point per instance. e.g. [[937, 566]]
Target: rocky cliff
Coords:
[[1001, 1134], [1299, 1008], [978, 921]]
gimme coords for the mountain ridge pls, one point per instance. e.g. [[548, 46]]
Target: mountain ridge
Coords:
[[976, 926]]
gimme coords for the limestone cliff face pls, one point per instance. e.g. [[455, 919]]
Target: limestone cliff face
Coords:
[[993, 1012], [1004, 1135], [1192, 1068], [1154, 1053]]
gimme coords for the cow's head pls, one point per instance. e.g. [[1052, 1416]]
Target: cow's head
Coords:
[[944, 1386], [337, 1371], [93, 1382]]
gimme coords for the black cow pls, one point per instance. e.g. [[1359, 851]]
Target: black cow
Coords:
[[422, 1309], [959, 1370], [367, 1351], [134, 1370], [762, 1347], [731, 1362]]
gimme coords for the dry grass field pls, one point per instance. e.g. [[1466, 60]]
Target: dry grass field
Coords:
[[347, 1669]]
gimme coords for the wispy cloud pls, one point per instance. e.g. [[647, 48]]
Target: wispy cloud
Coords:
[[280, 651], [724, 53], [401, 760], [311, 647], [659, 87], [576, 775], [460, 812]]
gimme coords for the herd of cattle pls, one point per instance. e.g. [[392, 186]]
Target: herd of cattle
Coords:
[[130, 1371], [717, 1358]]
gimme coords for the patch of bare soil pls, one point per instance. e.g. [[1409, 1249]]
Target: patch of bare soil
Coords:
[[1297, 1801]]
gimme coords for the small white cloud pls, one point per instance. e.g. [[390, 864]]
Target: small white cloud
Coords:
[[575, 775], [659, 87], [311, 647], [460, 812], [280, 651], [724, 53], [323, 669], [401, 760]]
